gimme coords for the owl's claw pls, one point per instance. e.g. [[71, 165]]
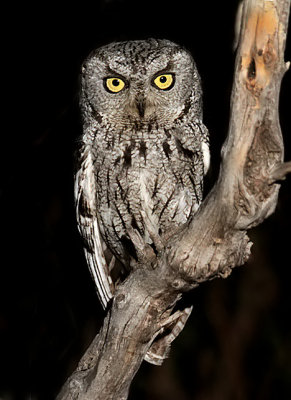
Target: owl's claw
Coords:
[[152, 231], [144, 251]]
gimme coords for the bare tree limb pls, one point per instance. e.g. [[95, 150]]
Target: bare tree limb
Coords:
[[215, 240]]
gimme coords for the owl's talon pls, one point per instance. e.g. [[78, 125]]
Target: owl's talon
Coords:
[[143, 250], [153, 234]]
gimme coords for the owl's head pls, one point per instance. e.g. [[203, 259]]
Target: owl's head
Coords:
[[143, 80]]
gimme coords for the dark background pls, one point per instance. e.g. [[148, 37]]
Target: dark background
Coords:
[[237, 343]]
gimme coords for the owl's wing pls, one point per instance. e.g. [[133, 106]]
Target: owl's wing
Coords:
[[87, 218]]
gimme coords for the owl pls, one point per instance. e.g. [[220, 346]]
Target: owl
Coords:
[[143, 153]]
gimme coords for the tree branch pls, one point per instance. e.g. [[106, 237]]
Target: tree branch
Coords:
[[215, 240]]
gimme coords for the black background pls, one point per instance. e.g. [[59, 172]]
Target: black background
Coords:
[[237, 343]]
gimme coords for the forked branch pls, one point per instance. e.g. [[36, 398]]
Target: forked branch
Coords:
[[215, 240]]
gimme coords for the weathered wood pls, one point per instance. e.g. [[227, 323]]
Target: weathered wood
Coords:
[[215, 240]]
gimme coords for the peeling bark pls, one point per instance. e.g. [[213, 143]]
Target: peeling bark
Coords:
[[215, 240]]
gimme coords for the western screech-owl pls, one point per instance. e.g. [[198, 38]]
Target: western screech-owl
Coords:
[[143, 152]]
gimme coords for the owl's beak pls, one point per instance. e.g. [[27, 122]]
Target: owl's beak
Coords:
[[141, 105]]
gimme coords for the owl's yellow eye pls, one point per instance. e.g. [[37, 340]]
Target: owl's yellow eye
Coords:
[[114, 85], [164, 81]]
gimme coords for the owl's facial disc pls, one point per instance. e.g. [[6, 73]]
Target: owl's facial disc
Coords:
[[141, 81]]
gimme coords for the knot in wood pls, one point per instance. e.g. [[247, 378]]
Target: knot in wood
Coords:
[[178, 284], [120, 300]]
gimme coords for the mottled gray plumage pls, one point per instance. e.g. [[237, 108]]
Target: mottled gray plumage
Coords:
[[143, 154]]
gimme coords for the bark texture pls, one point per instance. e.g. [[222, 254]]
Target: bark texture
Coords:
[[215, 240]]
